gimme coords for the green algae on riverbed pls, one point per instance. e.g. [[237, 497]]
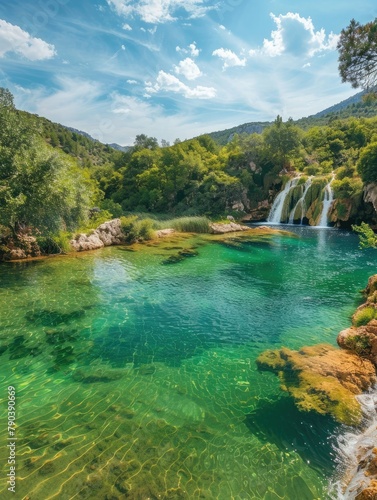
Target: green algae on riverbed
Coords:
[[138, 380]]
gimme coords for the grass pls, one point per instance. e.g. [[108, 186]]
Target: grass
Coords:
[[186, 224], [363, 316]]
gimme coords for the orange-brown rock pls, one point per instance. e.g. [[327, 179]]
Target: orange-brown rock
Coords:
[[322, 378], [369, 493], [371, 286], [361, 340]]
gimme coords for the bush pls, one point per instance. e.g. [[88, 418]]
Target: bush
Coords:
[[347, 187], [135, 229], [367, 238], [62, 239], [360, 344], [362, 317], [48, 245]]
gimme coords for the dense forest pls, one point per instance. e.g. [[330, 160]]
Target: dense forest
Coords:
[[51, 178]]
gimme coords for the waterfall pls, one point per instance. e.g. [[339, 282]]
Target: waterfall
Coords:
[[353, 448], [277, 207], [327, 202], [301, 203]]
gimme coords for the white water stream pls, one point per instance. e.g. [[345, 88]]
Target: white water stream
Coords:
[[301, 202], [277, 207], [353, 447], [327, 202]]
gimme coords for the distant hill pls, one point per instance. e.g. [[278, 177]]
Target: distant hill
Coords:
[[353, 106], [124, 149], [88, 151]]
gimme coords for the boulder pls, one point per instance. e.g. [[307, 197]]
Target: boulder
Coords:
[[107, 234], [219, 228], [162, 233]]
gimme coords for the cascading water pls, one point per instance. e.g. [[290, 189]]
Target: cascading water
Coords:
[[277, 207], [354, 448], [327, 202], [301, 203]]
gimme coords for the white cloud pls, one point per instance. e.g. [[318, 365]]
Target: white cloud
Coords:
[[132, 82], [159, 11], [123, 47], [14, 39], [170, 83], [296, 35], [127, 27], [188, 68], [229, 58], [192, 49]]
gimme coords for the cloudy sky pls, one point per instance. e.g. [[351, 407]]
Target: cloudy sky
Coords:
[[173, 68]]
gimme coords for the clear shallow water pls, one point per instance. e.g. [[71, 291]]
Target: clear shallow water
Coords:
[[137, 379]]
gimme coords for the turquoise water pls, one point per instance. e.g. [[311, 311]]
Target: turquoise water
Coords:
[[135, 378]]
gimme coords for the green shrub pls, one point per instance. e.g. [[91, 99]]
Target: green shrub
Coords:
[[114, 209], [62, 239], [48, 245], [363, 316], [360, 344], [347, 187], [367, 237], [135, 229], [144, 229]]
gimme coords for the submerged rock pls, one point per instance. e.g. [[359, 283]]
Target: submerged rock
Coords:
[[322, 378], [90, 376]]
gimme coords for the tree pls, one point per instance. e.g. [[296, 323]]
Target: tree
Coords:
[[142, 141], [39, 187], [357, 48], [367, 164], [283, 140]]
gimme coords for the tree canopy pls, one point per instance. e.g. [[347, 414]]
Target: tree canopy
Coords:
[[40, 187], [357, 48]]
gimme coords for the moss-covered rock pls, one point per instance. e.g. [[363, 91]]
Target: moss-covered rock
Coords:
[[322, 378]]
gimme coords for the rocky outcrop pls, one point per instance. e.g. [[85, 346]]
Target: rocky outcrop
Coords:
[[19, 246], [322, 378], [370, 194], [232, 227], [361, 338], [107, 234], [258, 214]]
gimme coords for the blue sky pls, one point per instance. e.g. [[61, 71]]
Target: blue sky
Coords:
[[173, 68]]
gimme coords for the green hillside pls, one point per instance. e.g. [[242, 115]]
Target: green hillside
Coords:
[[357, 106]]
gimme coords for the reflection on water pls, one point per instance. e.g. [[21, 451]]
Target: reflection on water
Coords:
[[135, 379]]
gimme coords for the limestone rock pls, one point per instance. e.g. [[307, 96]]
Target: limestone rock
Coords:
[[370, 194], [164, 232], [83, 242], [108, 233], [371, 286], [361, 340], [322, 378], [218, 228]]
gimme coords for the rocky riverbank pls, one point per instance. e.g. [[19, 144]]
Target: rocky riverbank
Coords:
[[326, 380], [24, 246]]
